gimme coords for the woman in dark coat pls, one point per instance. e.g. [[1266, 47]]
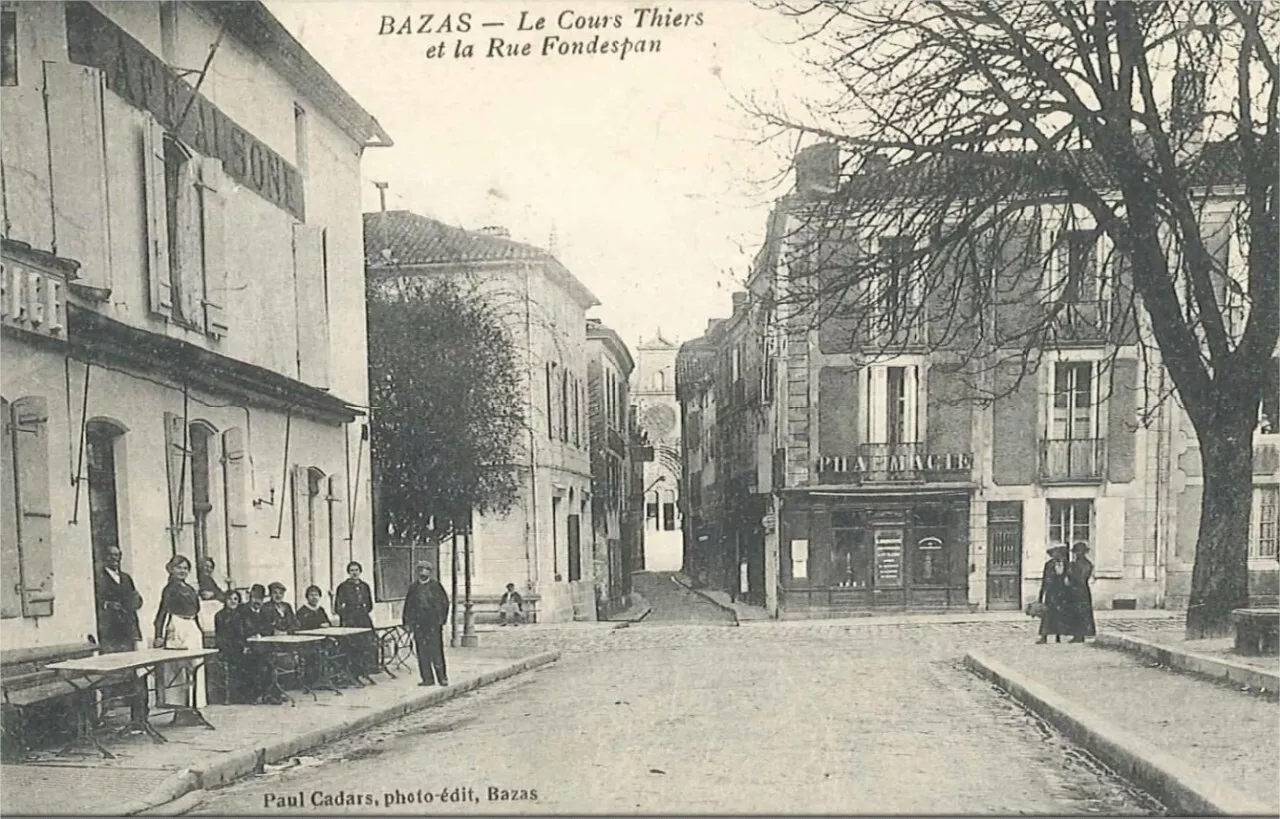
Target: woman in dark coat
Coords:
[[231, 633], [1079, 575], [1056, 597], [352, 603]]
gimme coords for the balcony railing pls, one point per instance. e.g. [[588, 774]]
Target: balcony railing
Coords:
[[1078, 459], [1081, 320]]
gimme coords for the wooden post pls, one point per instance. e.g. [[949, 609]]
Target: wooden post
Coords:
[[453, 593]]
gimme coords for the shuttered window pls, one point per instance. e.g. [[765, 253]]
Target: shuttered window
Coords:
[[177, 457], [184, 195], [28, 568], [235, 501]]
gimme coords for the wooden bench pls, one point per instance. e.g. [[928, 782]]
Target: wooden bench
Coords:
[[484, 608], [1257, 631], [27, 687]]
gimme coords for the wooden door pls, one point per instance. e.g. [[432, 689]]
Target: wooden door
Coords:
[[1004, 556]]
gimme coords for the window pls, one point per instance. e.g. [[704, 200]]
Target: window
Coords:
[[1073, 416], [575, 547], [1269, 411], [799, 559], [104, 520], [651, 511], [735, 364], [1070, 521], [660, 381], [851, 554], [555, 537], [893, 408], [26, 547], [552, 413], [894, 291], [1263, 522], [668, 516], [8, 48], [1080, 277]]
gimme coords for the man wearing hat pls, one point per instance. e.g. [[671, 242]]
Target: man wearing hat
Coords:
[[279, 615], [426, 610]]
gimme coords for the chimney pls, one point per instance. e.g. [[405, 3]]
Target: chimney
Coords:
[[382, 196], [739, 300], [875, 163], [496, 230], [817, 169]]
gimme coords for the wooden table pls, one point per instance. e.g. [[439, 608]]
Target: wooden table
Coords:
[[395, 647], [338, 665], [91, 674], [293, 645]]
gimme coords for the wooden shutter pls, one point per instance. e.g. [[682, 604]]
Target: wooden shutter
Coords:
[[213, 189], [309, 305], [161, 294], [838, 411], [78, 168], [175, 448], [1014, 443], [236, 504], [301, 533], [35, 541], [1121, 421], [189, 266], [949, 419], [10, 555]]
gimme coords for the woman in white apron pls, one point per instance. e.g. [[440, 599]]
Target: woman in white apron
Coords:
[[177, 626]]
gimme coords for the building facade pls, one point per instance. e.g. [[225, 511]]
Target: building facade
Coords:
[[614, 517], [181, 203], [543, 544], [658, 413], [888, 477]]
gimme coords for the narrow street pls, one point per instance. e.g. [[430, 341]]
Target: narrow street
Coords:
[[696, 717], [674, 603]]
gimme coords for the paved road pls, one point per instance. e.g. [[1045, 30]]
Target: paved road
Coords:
[[827, 718], [672, 602]]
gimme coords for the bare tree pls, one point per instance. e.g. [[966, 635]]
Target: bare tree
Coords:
[[990, 141]]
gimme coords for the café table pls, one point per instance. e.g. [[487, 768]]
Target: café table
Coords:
[[296, 646], [338, 665], [395, 647], [92, 674]]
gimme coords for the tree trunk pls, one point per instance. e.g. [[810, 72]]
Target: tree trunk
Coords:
[[1220, 579]]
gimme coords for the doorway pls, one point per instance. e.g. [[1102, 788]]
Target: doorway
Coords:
[[1004, 556]]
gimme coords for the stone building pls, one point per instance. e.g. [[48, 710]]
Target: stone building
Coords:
[[654, 389], [879, 479], [543, 544], [181, 195], [614, 515]]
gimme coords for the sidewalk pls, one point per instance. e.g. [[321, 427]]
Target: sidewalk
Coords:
[[1195, 744], [145, 774], [742, 612]]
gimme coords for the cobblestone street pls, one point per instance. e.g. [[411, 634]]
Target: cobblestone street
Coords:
[[816, 717]]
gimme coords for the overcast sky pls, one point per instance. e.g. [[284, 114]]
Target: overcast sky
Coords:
[[644, 166]]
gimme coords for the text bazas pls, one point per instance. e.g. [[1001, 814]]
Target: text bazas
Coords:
[[567, 20]]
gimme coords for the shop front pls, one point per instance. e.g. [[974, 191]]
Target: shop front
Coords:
[[863, 551]]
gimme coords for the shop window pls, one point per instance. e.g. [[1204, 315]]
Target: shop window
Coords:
[[1263, 522], [851, 553], [930, 568], [1070, 521], [8, 48]]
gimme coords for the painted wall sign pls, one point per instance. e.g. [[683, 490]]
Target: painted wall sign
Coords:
[[147, 83], [907, 463]]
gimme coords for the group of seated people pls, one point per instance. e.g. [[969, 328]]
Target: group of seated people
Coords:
[[267, 613]]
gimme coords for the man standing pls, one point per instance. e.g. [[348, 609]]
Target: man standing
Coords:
[[118, 629], [426, 610]]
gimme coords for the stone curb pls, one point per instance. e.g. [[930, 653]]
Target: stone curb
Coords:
[[236, 764], [679, 582], [647, 610], [1182, 789], [1259, 679]]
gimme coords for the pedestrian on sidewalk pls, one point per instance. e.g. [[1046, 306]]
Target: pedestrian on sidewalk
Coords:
[[1055, 596], [511, 607], [177, 626], [1079, 575], [352, 605], [426, 610], [118, 628]]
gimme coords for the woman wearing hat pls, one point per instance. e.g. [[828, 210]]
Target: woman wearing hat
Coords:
[[1056, 597], [1079, 574]]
